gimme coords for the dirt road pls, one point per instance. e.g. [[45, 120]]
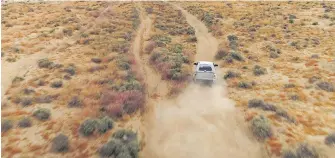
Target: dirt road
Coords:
[[201, 122]]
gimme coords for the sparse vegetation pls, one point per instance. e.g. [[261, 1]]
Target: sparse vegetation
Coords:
[[75, 102], [105, 124], [305, 150], [244, 85], [57, 84], [42, 114], [24, 122], [6, 125], [231, 74], [60, 143], [261, 128], [258, 70], [330, 139], [26, 101], [88, 127], [124, 143], [326, 86]]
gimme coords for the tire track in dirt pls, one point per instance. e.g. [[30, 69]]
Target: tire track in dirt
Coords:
[[202, 121]]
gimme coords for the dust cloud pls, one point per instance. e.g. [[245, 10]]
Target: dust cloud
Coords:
[[200, 123]]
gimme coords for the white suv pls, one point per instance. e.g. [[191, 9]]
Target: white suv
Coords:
[[204, 72]]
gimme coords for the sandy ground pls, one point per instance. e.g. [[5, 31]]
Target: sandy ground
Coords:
[[200, 122]]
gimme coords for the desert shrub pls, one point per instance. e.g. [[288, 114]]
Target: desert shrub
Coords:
[[96, 60], [291, 21], [123, 144], [148, 10], [28, 91], [60, 143], [282, 113], [315, 56], [330, 139], [75, 101], [70, 70], [208, 18], [220, 54], [88, 127], [176, 48], [24, 122], [129, 85], [258, 70], [67, 32], [232, 38], [315, 23], [274, 55], [289, 154], [192, 39], [123, 65], [125, 136], [244, 85], [313, 79], [113, 148], [289, 85], [26, 101], [6, 125], [237, 56], [11, 59], [304, 150], [290, 16], [326, 86], [261, 128], [105, 124], [17, 80], [134, 101], [161, 40], [43, 99], [190, 31], [56, 84], [229, 59], [155, 56], [233, 45], [294, 97], [150, 46], [231, 74], [42, 114], [257, 103], [44, 63]]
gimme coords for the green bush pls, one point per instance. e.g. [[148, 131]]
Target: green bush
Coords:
[[304, 150], [125, 135], [289, 154], [6, 125], [231, 74], [190, 31], [330, 139], [192, 39], [45, 63], [57, 84], [315, 23], [237, 56], [261, 128], [244, 85], [88, 127], [24, 122], [60, 143], [220, 54], [105, 124], [326, 86], [70, 70], [26, 101], [42, 114], [258, 70], [75, 101], [232, 38], [96, 60], [123, 144]]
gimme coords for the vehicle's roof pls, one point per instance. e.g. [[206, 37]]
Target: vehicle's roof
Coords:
[[205, 62]]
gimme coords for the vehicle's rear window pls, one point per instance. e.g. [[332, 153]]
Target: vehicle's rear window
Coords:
[[205, 68]]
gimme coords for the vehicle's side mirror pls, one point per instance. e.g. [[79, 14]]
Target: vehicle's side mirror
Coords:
[[195, 64], [216, 65]]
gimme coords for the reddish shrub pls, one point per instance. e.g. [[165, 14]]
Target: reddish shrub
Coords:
[[150, 47], [118, 103]]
